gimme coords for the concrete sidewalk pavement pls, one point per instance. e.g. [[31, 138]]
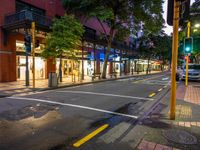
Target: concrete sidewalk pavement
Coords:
[[160, 133], [17, 87]]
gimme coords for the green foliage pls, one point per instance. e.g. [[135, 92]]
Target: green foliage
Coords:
[[64, 38], [122, 33], [195, 17], [149, 13], [160, 48], [120, 16]]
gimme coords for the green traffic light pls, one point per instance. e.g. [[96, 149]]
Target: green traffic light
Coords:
[[188, 44], [187, 49]]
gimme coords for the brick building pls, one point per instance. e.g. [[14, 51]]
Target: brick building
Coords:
[[15, 19]]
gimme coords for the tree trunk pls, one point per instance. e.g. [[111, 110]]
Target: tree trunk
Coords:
[[106, 61], [163, 63], [137, 66], [147, 71], [107, 54], [60, 69]]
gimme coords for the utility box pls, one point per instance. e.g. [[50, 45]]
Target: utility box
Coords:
[[52, 82]]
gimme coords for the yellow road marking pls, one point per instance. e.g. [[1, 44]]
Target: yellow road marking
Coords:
[[160, 90], [152, 94], [165, 86], [91, 135]]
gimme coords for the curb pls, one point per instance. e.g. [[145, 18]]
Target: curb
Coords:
[[78, 84], [2, 96], [153, 105], [98, 81]]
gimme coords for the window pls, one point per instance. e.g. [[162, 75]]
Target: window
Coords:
[[20, 6], [193, 67]]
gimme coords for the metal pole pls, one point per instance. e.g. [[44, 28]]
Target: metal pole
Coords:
[[33, 52], [114, 62], [174, 60], [120, 61], [187, 57], [82, 77], [27, 70], [186, 72], [94, 58]]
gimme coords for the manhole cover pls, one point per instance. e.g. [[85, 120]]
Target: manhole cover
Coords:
[[179, 136]]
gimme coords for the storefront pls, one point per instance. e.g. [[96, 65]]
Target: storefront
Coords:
[[21, 64]]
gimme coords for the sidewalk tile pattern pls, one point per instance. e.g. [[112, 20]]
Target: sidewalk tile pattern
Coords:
[[146, 145], [192, 94], [183, 111], [187, 124]]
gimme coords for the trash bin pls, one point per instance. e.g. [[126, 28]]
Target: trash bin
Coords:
[[52, 82]]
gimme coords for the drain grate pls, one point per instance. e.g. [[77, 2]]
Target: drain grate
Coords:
[[179, 136]]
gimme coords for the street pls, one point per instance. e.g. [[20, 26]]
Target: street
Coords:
[[58, 119]]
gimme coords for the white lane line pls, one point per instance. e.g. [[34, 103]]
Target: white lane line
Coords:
[[73, 105], [148, 83], [166, 78], [104, 94]]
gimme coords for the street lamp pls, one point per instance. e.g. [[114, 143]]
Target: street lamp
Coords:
[[197, 25], [195, 30]]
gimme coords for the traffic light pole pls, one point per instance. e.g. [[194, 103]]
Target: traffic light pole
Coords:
[[187, 57], [33, 52], [27, 70], [174, 60]]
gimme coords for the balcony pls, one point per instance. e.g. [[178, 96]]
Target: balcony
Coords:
[[24, 18]]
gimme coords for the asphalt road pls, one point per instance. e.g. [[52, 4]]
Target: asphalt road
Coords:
[[92, 116]]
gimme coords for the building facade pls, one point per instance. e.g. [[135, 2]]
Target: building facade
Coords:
[[15, 20]]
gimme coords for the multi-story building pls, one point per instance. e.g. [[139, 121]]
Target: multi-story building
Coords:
[[15, 20]]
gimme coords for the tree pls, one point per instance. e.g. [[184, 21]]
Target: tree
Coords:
[[162, 44], [195, 19], [146, 49], [155, 47], [64, 38], [195, 33], [119, 15]]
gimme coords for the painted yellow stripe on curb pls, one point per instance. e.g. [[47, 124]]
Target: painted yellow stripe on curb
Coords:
[[91, 135], [160, 90], [152, 94]]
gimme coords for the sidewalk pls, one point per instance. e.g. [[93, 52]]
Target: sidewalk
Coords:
[[183, 133], [10, 88]]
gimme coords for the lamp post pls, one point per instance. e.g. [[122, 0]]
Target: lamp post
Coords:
[[195, 28], [187, 55], [197, 25], [33, 52]]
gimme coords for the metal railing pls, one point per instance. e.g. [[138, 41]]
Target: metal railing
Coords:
[[27, 15]]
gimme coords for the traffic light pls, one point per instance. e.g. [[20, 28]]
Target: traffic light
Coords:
[[184, 10], [188, 45], [37, 43], [27, 43]]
